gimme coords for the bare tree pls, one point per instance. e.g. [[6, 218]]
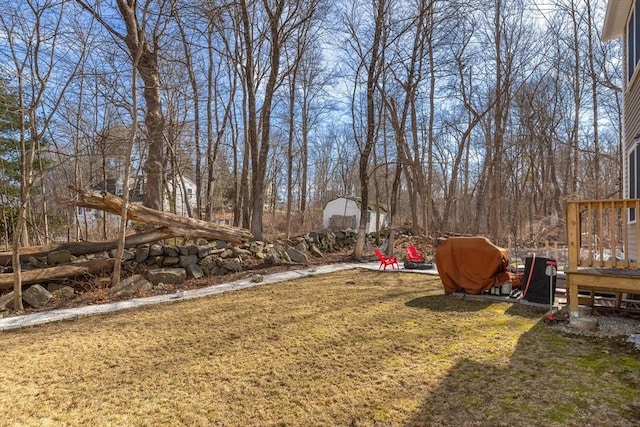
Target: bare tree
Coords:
[[34, 44], [306, 82], [448, 107], [368, 49], [413, 42], [187, 47], [462, 125], [284, 20], [137, 40], [122, 231]]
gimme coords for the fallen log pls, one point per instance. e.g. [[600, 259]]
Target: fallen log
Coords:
[[83, 248], [42, 275], [169, 225], [176, 224]]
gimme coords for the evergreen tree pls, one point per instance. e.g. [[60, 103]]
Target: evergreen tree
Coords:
[[9, 156]]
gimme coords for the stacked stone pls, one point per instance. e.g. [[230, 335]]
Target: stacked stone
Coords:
[[167, 265]]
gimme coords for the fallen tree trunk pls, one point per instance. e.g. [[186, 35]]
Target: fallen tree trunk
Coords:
[[169, 225], [83, 248], [41, 275], [175, 224]]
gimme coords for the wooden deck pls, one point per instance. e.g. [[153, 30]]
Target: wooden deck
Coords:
[[603, 251]]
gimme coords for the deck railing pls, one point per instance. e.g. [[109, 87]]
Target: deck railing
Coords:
[[603, 234]]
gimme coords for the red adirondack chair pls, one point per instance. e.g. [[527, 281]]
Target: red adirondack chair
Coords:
[[413, 255], [386, 260]]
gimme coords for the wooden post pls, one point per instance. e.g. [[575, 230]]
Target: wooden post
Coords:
[[573, 255], [573, 296], [573, 235]]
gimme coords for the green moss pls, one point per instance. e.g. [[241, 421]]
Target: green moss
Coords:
[[594, 362], [583, 389], [471, 401], [382, 414], [561, 413], [631, 363], [556, 340]]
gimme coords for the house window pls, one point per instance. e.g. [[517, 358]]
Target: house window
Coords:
[[636, 26], [630, 46], [119, 189], [634, 179], [633, 41]]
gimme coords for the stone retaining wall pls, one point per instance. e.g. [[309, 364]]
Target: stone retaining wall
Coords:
[[159, 265]]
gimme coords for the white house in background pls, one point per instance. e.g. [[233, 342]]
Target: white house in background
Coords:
[[175, 199], [113, 186], [180, 198], [344, 212]]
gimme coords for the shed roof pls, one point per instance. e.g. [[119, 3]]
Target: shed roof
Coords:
[[372, 205]]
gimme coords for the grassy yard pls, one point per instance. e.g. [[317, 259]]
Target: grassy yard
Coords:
[[354, 348]]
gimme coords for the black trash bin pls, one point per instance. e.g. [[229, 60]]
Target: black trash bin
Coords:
[[535, 282]]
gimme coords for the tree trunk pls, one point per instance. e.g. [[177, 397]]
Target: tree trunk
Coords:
[[83, 248], [122, 227], [260, 154], [154, 120], [305, 162], [181, 226], [372, 81], [594, 99], [577, 99], [290, 137], [251, 131], [61, 272], [196, 115]]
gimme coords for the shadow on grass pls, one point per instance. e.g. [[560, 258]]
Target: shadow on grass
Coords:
[[446, 303], [478, 394], [550, 379], [468, 395]]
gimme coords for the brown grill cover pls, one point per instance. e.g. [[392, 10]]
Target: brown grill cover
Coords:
[[472, 264]]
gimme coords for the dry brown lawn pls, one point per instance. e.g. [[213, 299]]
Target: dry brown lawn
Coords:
[[350, 348]]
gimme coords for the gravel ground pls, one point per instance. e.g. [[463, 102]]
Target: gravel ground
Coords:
[[610, 325]]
